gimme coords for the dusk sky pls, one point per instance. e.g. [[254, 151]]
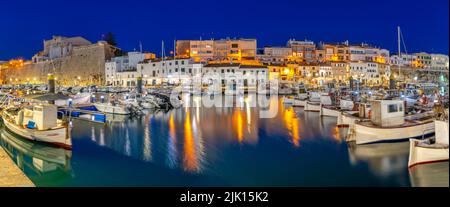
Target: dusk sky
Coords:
[[25, 24]]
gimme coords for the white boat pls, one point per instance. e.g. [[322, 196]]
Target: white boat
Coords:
[[38, 123], [313, 104], [78, 99], [422, 151], [288, 100], [113, 109], [387, 123], [336, 111], [347, 118]]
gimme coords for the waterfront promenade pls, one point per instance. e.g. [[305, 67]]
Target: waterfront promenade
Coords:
[[10, 174]]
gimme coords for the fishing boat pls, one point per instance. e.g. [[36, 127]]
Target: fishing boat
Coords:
[[113, 108], [336, 111], [387, 123], [424, 151], [77, 99], [313, 104], [285, 88], [38, 123]]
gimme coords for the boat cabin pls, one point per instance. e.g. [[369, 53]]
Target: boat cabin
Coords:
[[386, 113], [41, 117]]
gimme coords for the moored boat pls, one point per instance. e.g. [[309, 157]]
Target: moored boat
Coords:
[[423, 151], [387, 123], [38, 123], [113, 108]]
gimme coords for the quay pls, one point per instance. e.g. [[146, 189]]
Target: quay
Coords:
[[10, 174]]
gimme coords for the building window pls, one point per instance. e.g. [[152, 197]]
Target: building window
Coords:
[[182, 70]]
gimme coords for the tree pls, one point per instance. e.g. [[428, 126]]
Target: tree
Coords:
[[110, 39]]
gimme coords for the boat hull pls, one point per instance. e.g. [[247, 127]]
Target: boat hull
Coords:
[[324, 111], [313, 107], [368, 135], [112, 109], [423, 155], [58, 137]]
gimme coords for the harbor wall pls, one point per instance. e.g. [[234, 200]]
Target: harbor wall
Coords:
[[85, 65]]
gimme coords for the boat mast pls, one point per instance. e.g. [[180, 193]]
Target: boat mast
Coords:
[[399, 51]]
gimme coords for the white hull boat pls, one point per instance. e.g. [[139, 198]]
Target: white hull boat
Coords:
[[422, 152], [112, 109], [312, 106], [366, 133], [57, 134], [288, 100], [330, 111]]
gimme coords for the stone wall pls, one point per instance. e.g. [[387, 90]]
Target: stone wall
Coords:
[[86, 65]]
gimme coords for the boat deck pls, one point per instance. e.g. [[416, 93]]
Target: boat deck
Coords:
[[10, 174], [407, 123]]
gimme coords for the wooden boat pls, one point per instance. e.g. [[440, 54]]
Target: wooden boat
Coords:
[[113, 108], [423, 151], [38, 123], [387, 123]]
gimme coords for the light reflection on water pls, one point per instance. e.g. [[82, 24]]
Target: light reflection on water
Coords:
[[224, 146]]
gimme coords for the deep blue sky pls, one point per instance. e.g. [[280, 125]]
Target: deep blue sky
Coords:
[[25, 24]]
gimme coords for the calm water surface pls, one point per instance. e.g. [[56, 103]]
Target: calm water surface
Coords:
[[218, 146]]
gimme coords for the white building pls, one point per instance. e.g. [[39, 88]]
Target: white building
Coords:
[[405, 60], [366, 72], [439, 62], [364, 52], [173, 71], [244, 75], [123, 70], [275, 55]]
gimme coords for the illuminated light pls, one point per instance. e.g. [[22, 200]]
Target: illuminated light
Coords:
[[415, 78], [190, 155]]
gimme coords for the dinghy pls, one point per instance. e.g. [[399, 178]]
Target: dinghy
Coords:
[[423, 151]]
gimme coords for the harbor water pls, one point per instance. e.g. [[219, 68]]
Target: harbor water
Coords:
[[218, 146]]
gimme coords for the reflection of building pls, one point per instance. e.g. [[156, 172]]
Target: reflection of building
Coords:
[[223, 49]]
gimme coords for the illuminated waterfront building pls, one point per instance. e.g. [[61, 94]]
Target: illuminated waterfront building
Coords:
[[172, 71], [275, 55], [303, 50], [241, 74], [223, 49], [122, 70]]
